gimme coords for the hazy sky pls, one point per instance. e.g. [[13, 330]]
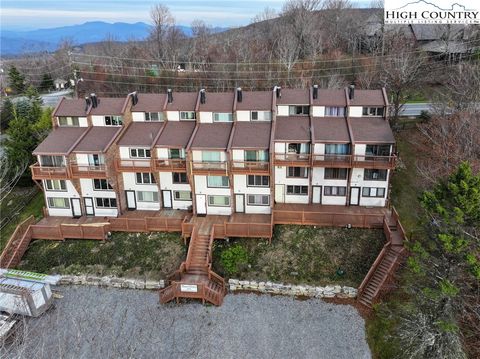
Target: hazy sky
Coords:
[[34, 14]]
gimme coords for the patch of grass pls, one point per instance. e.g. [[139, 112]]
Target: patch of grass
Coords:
[[33, 208], [304, 254], [154, 255]]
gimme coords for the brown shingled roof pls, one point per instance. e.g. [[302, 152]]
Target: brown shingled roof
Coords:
[[212, 136], [140, 134], [71, 107], [330, 129], [150, 102], [176, 134], [251, 135], [294, 97], [60, 141], [108, 106], [217, 102], [371, 130], [255, 100], [182, 101], [293, 128], [367, 98], [97, 139], [330, 97]]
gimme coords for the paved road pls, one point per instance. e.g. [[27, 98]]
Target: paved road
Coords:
[[415, 109], [50, 99], [94, 323]]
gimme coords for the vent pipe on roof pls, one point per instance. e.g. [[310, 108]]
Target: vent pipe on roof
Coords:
[[94, 99], [239, 94], [278, 91], [351, 91], [203, 97], [134, 97], [315, 92], [169, 95], [87, 103]]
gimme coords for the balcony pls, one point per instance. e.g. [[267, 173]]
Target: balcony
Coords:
[[44, 172], [251, 167], [332, 160], [209, 168], [88, 171], [292, 159], [375, 162], [139, 165], [170, 165]]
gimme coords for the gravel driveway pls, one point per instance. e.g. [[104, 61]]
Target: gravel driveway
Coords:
[[91, 322]]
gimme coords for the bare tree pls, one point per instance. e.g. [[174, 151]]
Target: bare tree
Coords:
[[162, 21]]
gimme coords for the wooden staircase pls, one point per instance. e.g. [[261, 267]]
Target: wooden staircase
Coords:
[[17, 245]]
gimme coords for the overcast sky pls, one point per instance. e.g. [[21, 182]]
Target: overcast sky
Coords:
[[34, 14]]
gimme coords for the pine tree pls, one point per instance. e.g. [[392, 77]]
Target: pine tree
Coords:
[[7, 113], [47, 82], [16, 80]]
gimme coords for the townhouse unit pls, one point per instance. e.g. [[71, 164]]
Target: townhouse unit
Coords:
[[217, 153]]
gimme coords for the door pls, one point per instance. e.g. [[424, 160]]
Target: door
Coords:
[[131, 200], [354, 196], [167, 199], [89, 209], [280, 193], [316, 194], [201, 204], [76, 208], [239, 203]]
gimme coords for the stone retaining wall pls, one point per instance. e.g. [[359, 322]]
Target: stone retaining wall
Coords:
[[111, 281], [329, 291]]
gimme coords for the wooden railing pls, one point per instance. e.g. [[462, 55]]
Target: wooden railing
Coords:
[[203, 292], [292, 159], [87, 171], [204, 167], [250, 230], [145, 224], [250, 167], [20, 238], [139, 165], [170, 165], [70, 231], [399, 226], [380, 162], [191, 246], [373, 268], [332, 160], [43, 172]]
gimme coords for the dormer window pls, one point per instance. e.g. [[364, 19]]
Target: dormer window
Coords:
[[187, 115], [154, 116], [222, 117], [334, 111], [260, 115], [373, 111], [68, 121], [298, 110], [113, 120]]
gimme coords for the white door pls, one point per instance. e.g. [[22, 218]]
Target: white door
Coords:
[[280, 193], [76, 208], [167, 199], [239, 203], [317, 194], [201, 204], [89, 210], [354, 196], [131, 200]]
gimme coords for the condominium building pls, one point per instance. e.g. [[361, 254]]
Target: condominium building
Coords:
[[217, 153]]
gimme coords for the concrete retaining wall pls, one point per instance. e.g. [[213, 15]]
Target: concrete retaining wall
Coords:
[[111, 281]]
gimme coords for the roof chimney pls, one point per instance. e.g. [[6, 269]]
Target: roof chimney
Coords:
[[315, 92], [94, 99], [203, 97], [134, 97], [239, 94], [169, 95], [278, 91], [351, 92], [87, 103]]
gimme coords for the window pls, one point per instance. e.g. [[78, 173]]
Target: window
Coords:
[[373, 111], [176, 153], [375, 175], [373, 192], [218, 181], [260, 115], [101, 184], [334, 111], [187, 115], [222, 117], [337, 149], [298, 148], [154, 116], [106, 202], [258, 199], [96, 160], [377, 150], [298, 110], [334, 191], [255, 156], [113, 120], [54, 202], [52, 161], [68, 121], [301, 172], [336, 173], [211, 156], [139, 153], [219, 201], [297, 190], [179, 177], [145, 178], [147, 196], [55, 185], [258, 181], [182, 195]]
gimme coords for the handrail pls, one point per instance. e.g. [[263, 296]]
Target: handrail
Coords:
[[250, 166], [130, 165], [10, 247], [193, 239], [373, 268], [49, 172], [171, 164]]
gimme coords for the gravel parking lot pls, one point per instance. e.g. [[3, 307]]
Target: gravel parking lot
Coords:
[[90, 322]]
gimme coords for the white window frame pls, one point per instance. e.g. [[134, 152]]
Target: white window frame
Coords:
[[145, 178], [109, 187], [218, 205], [261, 116], [160, 116], [334, 191], [222, 185], [115, 120], [255, 198], [177, 195], [53, 185], [106, 202], [187, 115], [373, 192], [142, 194], [255, 177], [71, 121], [294, 187], [222, 117], [138, 150], [52, 204]]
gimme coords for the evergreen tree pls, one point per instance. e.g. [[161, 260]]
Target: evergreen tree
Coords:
[[6, 114], [47, 82], [16, 80]]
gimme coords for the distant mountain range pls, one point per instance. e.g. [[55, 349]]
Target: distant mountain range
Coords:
[[20, 42]]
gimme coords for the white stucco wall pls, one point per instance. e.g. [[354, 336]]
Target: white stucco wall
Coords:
[[281, 178], [319, 148], [71, 192], [243, 115], [240, 187], [318, 111], [173, 115], [98, 120], [166, 183], [87, 189], [205, 117], [318, 179], [197, 155], [282, 110], [129, 184], [201, 188], [138, 116], [355, 111], [358, 181]]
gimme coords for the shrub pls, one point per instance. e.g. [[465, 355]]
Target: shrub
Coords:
[[233, 259]]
